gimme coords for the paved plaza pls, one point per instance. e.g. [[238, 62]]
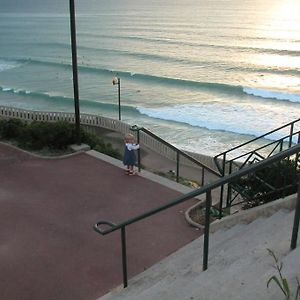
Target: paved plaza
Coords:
[[49, 249]]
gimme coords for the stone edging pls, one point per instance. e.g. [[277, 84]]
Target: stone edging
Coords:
[[40, 156], [245, 216], [144, 173]]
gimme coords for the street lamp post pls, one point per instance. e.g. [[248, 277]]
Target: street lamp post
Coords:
[[116, 80], [75, 71]]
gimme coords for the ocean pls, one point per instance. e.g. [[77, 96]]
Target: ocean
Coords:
[[205, 75]]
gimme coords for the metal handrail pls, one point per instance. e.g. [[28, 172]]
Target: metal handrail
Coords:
[[279, 142], [178, 153], [206, 189], [224, 154], [221, 160]]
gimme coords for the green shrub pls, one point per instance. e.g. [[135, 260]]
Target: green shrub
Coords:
[[53, 136], [108, 150], [2, 122], [97, 143], [91, 139], [39, 135], [271, 183], [62, 135], [12, 128]]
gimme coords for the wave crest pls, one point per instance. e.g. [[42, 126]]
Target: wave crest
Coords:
[[7, 65], [61, 99], [272, 94], [221, 117]]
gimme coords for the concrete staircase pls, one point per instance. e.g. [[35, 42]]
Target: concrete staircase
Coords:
[[239, 266]]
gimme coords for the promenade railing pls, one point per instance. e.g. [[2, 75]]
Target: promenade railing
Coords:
[[179, 153], [104, 227]]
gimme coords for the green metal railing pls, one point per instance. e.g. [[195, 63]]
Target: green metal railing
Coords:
[[207, 189], [178, 154], [227, 165]]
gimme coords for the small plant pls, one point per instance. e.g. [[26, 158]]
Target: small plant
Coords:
[[215, 212], [282, 282]]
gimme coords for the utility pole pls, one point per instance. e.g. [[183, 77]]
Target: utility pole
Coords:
[[75, 71]]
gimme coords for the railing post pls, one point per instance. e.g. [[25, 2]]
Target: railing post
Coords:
[[291, 135], [177, 166], [124, 256], [228, 201], [296, 220], [297, 158], [281, 145], [139, 151], [206, 229], [202, 178], [222, 187]]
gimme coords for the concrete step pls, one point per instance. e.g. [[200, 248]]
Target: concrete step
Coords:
[[239, 265], [254, 238], [226, 273], [179, 261]]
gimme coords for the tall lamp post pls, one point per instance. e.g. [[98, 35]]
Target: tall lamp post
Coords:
[[75, 71], [116, 80]]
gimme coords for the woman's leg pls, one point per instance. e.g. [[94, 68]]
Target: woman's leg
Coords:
[[131, 170], [127, 170]]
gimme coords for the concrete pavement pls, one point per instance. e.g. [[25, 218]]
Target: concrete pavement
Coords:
[[48, 249]]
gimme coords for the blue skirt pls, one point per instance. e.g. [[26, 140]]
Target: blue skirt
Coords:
[[129, 157]]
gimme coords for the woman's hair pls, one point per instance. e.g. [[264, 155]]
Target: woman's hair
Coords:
[[129, 137]]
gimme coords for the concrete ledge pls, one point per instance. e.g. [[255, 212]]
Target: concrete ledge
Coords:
[[81, 147], [246, 216], [38, 155], [146, 174]]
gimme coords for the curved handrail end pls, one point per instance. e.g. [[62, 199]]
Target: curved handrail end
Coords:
[[135, 128], [97, 228]]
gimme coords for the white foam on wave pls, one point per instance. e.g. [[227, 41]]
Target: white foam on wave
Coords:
[[6, 65], [7, 89], [272, 94], [231, 117]]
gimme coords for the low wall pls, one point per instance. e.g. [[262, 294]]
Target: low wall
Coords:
[[244, 216], [107, 123]]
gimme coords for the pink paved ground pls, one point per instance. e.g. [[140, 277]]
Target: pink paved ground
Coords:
[[48, 249]]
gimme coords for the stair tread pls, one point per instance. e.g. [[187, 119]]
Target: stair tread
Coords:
[[243, 262]]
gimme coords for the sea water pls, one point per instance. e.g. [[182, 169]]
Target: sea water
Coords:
[[205, 75]]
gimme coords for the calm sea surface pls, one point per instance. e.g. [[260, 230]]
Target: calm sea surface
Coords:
[[205, 75]]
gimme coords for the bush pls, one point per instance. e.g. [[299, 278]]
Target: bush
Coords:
[[271, 183], [53, 136], [91, 139], [41, 135], [12, 128], [96, 143], [108, 150], [2, 122]]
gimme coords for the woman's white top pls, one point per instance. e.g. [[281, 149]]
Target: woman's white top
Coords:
[[131, 146]]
